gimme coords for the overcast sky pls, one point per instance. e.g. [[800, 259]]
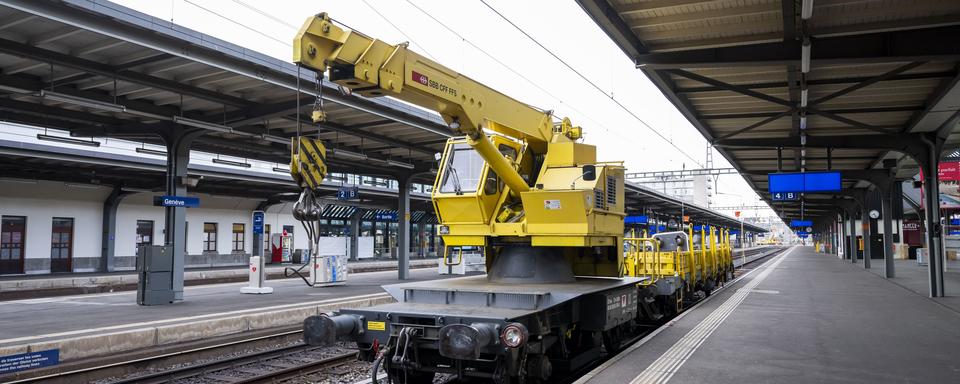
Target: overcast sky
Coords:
[[525, 71]]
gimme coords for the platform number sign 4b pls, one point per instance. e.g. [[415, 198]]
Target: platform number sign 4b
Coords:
[[785, 196]]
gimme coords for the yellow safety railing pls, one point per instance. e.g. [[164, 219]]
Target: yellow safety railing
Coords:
[[446, 256], [644, 258]]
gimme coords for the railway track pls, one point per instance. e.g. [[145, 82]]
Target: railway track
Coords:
[[271, 366]]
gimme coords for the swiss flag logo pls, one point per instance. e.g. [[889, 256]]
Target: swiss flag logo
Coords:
[[254, 269], [420, 78]]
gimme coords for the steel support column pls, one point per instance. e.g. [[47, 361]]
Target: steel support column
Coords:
[[355, 234], [403, 227], [108, 238], [175, 218], [886, 198], [853, 235], [931, 209], [866, 223]]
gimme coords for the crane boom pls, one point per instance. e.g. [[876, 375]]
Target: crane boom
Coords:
[[372, 67]]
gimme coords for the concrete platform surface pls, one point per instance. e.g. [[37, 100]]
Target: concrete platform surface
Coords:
[[916, 277], [96, 324], [18, 283], [802, 317]]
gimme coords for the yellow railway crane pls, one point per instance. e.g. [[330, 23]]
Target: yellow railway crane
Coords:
[[517, 183]]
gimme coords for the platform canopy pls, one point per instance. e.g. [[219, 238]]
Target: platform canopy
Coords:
[[98, 69], [791, 85]]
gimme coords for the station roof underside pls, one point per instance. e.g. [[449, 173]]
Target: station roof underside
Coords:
[[878, 70], [142, 72]]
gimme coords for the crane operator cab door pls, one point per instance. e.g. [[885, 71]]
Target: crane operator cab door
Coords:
[[469, 196]]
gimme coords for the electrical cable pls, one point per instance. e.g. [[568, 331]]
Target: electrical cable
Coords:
[[591, 82], [287, 43], [424, 49], [514, 71]]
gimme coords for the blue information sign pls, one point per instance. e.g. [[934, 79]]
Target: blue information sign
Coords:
[[348, 193], [642, 219], [258, 222], [785, 196], [176, 201], [29, 360], [804, 182], [801, 223], [387, 216]]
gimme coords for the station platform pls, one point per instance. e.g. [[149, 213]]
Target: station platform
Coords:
[[82, 326], [46, 285], [802, 317], [915, 277]]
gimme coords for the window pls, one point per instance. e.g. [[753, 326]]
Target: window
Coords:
[[209, 237], [463, 170], [144, 232], [238, 237]]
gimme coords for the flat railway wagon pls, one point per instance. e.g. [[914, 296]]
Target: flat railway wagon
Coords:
[[485, 327]]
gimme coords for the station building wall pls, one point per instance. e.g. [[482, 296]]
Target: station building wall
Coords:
[[43, 201]]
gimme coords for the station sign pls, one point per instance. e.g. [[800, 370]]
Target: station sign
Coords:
[[258, 218], [29, 360], [804, 182], [176, 201], [386, 216], [734, 231], [801, 223], [785, 196], [348, 193], [641, 219]]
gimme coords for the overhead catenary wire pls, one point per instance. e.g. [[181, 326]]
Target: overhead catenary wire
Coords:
[[247, 27], [512, 70], [589, 81]]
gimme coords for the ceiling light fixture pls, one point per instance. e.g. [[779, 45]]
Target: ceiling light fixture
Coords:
[[400, 164], [347, 154], [81, 101], [805, 56], [231, 162], [806, 9], [149, 151], [67, 140], [201, 124]]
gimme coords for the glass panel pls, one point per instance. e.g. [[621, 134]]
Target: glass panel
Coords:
[[463, 170], [237, 228]]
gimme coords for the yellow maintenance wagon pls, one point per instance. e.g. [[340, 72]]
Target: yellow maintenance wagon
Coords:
[[678, 266]]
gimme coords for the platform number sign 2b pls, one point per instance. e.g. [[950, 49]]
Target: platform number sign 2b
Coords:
[[785, 196]]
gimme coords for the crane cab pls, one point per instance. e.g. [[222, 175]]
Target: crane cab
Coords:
[[467, 192]]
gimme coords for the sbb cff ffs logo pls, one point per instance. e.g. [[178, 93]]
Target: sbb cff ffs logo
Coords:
[[420, 78]]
